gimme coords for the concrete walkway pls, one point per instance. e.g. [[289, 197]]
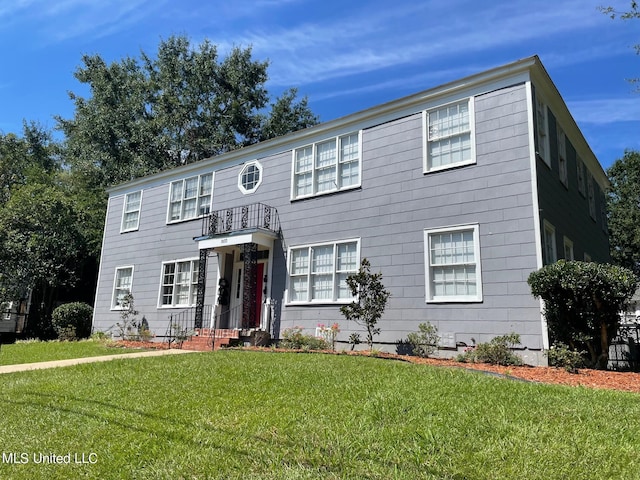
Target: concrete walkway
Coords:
[[22, 367]]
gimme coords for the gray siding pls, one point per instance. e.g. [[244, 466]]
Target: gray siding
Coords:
[[567, 209], [394, 206], [389, 214], [153, 243]]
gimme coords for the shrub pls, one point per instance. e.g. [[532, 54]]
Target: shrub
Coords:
[[425, 341], [329, 333], [582, 304], [294, 339], [496, 352], [562, 356], [72, 321], [354, 339]]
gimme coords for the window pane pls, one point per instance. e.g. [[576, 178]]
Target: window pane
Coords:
[[205, 205], [195, 267], [176, 191], [326, 154], [299, 288], [303, 184], [448, 121], [133, 201], [322, 259], [190, 187], [189, 208], [322, 287], [326, 179], [206, 184], [347, 257], [299, 261], [130, 221], [343, 291], [304, 160], [349, 174], [349, 148], [174, 210], [455, 247]]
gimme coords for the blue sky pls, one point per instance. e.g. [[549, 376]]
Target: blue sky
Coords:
[[345, 56]]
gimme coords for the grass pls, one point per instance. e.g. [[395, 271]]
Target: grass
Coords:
[[260, 415], [36, 351]]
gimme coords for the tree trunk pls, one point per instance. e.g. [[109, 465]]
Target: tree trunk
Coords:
[[603, 359]]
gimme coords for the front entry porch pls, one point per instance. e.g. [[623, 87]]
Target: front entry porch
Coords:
[[243, 239]]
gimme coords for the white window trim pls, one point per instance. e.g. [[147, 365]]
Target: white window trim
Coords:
[[114, 304], [199, 215], [173, 295], [549, 228], [568, 245], [546, 158], [478, 262], [309, 301], [425, 137], [258, 165], [314, 145], [124, 212]]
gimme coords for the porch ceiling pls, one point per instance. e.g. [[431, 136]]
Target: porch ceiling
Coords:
[[260, 237]]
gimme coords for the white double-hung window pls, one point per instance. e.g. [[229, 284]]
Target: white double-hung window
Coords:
[[453, 264], [179, 283], [190, 198], [318, 273], [131, 211], [326, 166], [121, 287], [449, 136]]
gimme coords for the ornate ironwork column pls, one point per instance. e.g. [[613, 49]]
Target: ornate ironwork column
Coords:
[[249, 285], [202, 281]]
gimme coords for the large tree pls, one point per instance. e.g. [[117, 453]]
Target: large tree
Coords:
[[623, 205], [181, 105], [632, 14], [42, 246]]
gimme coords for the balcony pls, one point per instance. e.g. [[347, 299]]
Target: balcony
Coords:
[[256, 217]]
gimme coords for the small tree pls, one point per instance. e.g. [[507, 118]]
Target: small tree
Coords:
[[582, 303], [371, 300]]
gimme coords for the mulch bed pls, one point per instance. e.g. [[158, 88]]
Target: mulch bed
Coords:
[[603, 379]]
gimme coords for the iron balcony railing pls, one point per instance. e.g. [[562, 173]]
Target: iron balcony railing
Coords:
[[256, 216]]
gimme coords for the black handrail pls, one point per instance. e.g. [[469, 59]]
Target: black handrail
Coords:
[[256, 216]]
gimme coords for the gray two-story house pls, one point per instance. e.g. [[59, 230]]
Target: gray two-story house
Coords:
[[455, 194]]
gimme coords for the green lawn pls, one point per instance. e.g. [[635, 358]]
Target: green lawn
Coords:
[[261, 415], [30, 352]]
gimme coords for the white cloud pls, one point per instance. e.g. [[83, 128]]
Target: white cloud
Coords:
[[607, 110], [376, 39]]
